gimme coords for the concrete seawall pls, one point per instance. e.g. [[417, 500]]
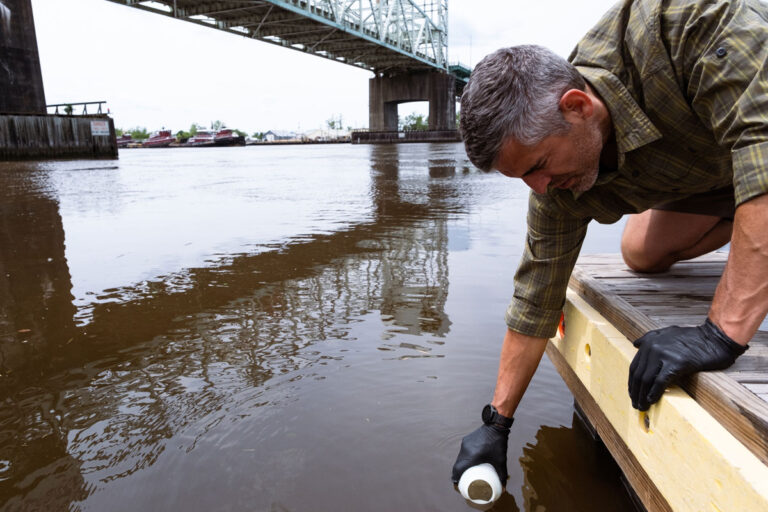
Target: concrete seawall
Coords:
[[27, 137], [395, 137]]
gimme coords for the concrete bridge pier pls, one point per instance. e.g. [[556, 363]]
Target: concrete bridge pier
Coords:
[[21, 81], [26, 131], [386, 92]]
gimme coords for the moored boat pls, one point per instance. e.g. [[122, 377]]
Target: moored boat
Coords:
[[227, 137], [202, 138], [160, 139], [124, 140]]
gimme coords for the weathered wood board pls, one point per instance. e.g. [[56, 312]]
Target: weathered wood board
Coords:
[[681, 296], [723, 410], [677, 456]]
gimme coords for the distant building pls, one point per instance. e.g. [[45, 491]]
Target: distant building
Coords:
[[272, 136], [326, 135]]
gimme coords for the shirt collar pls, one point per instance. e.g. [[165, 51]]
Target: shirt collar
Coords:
[[631, 126]]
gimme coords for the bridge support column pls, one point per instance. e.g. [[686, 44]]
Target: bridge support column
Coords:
[[386, 92], [21, 80]]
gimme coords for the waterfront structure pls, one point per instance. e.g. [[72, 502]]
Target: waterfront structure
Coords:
[[326, 135], [26, 130], [715, 423], [277, 135]]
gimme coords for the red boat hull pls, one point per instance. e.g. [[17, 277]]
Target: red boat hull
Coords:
[[161, 139]]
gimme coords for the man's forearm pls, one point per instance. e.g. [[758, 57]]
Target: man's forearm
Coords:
[[741, 299], [520, 356]]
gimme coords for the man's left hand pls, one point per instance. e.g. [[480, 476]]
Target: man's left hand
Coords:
[[666, 355]]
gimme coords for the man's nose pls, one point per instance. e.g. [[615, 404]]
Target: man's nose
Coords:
[[538, 182]]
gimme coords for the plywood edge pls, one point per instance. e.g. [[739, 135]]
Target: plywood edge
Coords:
[[693, 461], [641, 483], [740, 411]]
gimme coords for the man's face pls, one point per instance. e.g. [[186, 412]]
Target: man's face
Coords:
[[569, 161]]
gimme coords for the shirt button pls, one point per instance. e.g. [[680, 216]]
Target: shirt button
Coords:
[[721, 52]]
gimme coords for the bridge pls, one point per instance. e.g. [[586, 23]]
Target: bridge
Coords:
[[404, 43], [378, 35]]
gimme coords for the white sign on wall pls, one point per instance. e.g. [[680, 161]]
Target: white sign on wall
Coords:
[[99, 128]]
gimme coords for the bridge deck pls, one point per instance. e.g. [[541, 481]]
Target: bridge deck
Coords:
[[399, 35]]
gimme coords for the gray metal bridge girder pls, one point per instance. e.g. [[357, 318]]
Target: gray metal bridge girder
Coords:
[[411, 34]]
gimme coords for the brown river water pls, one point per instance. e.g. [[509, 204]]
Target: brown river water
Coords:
[[298, 328]]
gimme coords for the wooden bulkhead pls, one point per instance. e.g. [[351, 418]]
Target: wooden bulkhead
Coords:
[[704, 445]]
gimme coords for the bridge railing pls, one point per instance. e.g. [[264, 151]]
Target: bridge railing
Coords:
[[69, 108]]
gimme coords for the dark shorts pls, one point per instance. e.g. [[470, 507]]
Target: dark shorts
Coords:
[[719, 203]]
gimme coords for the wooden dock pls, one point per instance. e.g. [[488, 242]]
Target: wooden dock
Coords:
[[700, 448]]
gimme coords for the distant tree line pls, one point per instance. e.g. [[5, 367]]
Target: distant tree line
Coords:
[[413, 122], [418, 122], [410, 122], [137, 133], [336, 123]]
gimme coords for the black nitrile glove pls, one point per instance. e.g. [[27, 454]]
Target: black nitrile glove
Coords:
[[486, 444], [666, 355]]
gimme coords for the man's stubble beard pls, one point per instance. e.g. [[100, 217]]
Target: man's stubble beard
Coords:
[[590, 145]]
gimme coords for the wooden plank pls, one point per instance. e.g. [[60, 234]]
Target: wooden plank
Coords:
[[696, 310], [641, 483], [691, 459], [746, 363], [598, 258], [687, 320], [651, 297], [709, 270], [758, 345], [643, 286], [741, 412], [758, 389], [613, 258], [749, 376]]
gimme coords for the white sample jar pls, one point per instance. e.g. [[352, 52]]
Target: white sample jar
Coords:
[[480, 484]]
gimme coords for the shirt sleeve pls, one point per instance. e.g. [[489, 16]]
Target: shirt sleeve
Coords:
[[723, 51], [552, 246]]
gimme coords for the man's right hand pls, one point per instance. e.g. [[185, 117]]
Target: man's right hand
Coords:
[[520, 355], [487, 444]]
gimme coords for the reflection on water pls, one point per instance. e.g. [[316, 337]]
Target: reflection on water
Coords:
[[261, 329], [563, 471]]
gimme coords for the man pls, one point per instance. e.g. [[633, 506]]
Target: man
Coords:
[[661, 111]]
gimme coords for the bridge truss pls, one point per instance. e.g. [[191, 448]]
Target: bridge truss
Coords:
[[383, 36]]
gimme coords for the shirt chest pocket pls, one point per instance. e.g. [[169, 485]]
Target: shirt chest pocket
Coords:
[[682, 168], [664, 168]]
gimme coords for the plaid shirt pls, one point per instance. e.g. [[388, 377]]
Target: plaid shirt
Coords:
[[686, 84]]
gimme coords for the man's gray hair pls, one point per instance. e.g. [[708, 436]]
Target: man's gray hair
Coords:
[[514, 92]]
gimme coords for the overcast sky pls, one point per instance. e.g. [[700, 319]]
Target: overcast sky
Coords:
[[155, 71]]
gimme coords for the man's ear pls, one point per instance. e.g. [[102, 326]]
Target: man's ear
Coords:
[[576, 104]]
